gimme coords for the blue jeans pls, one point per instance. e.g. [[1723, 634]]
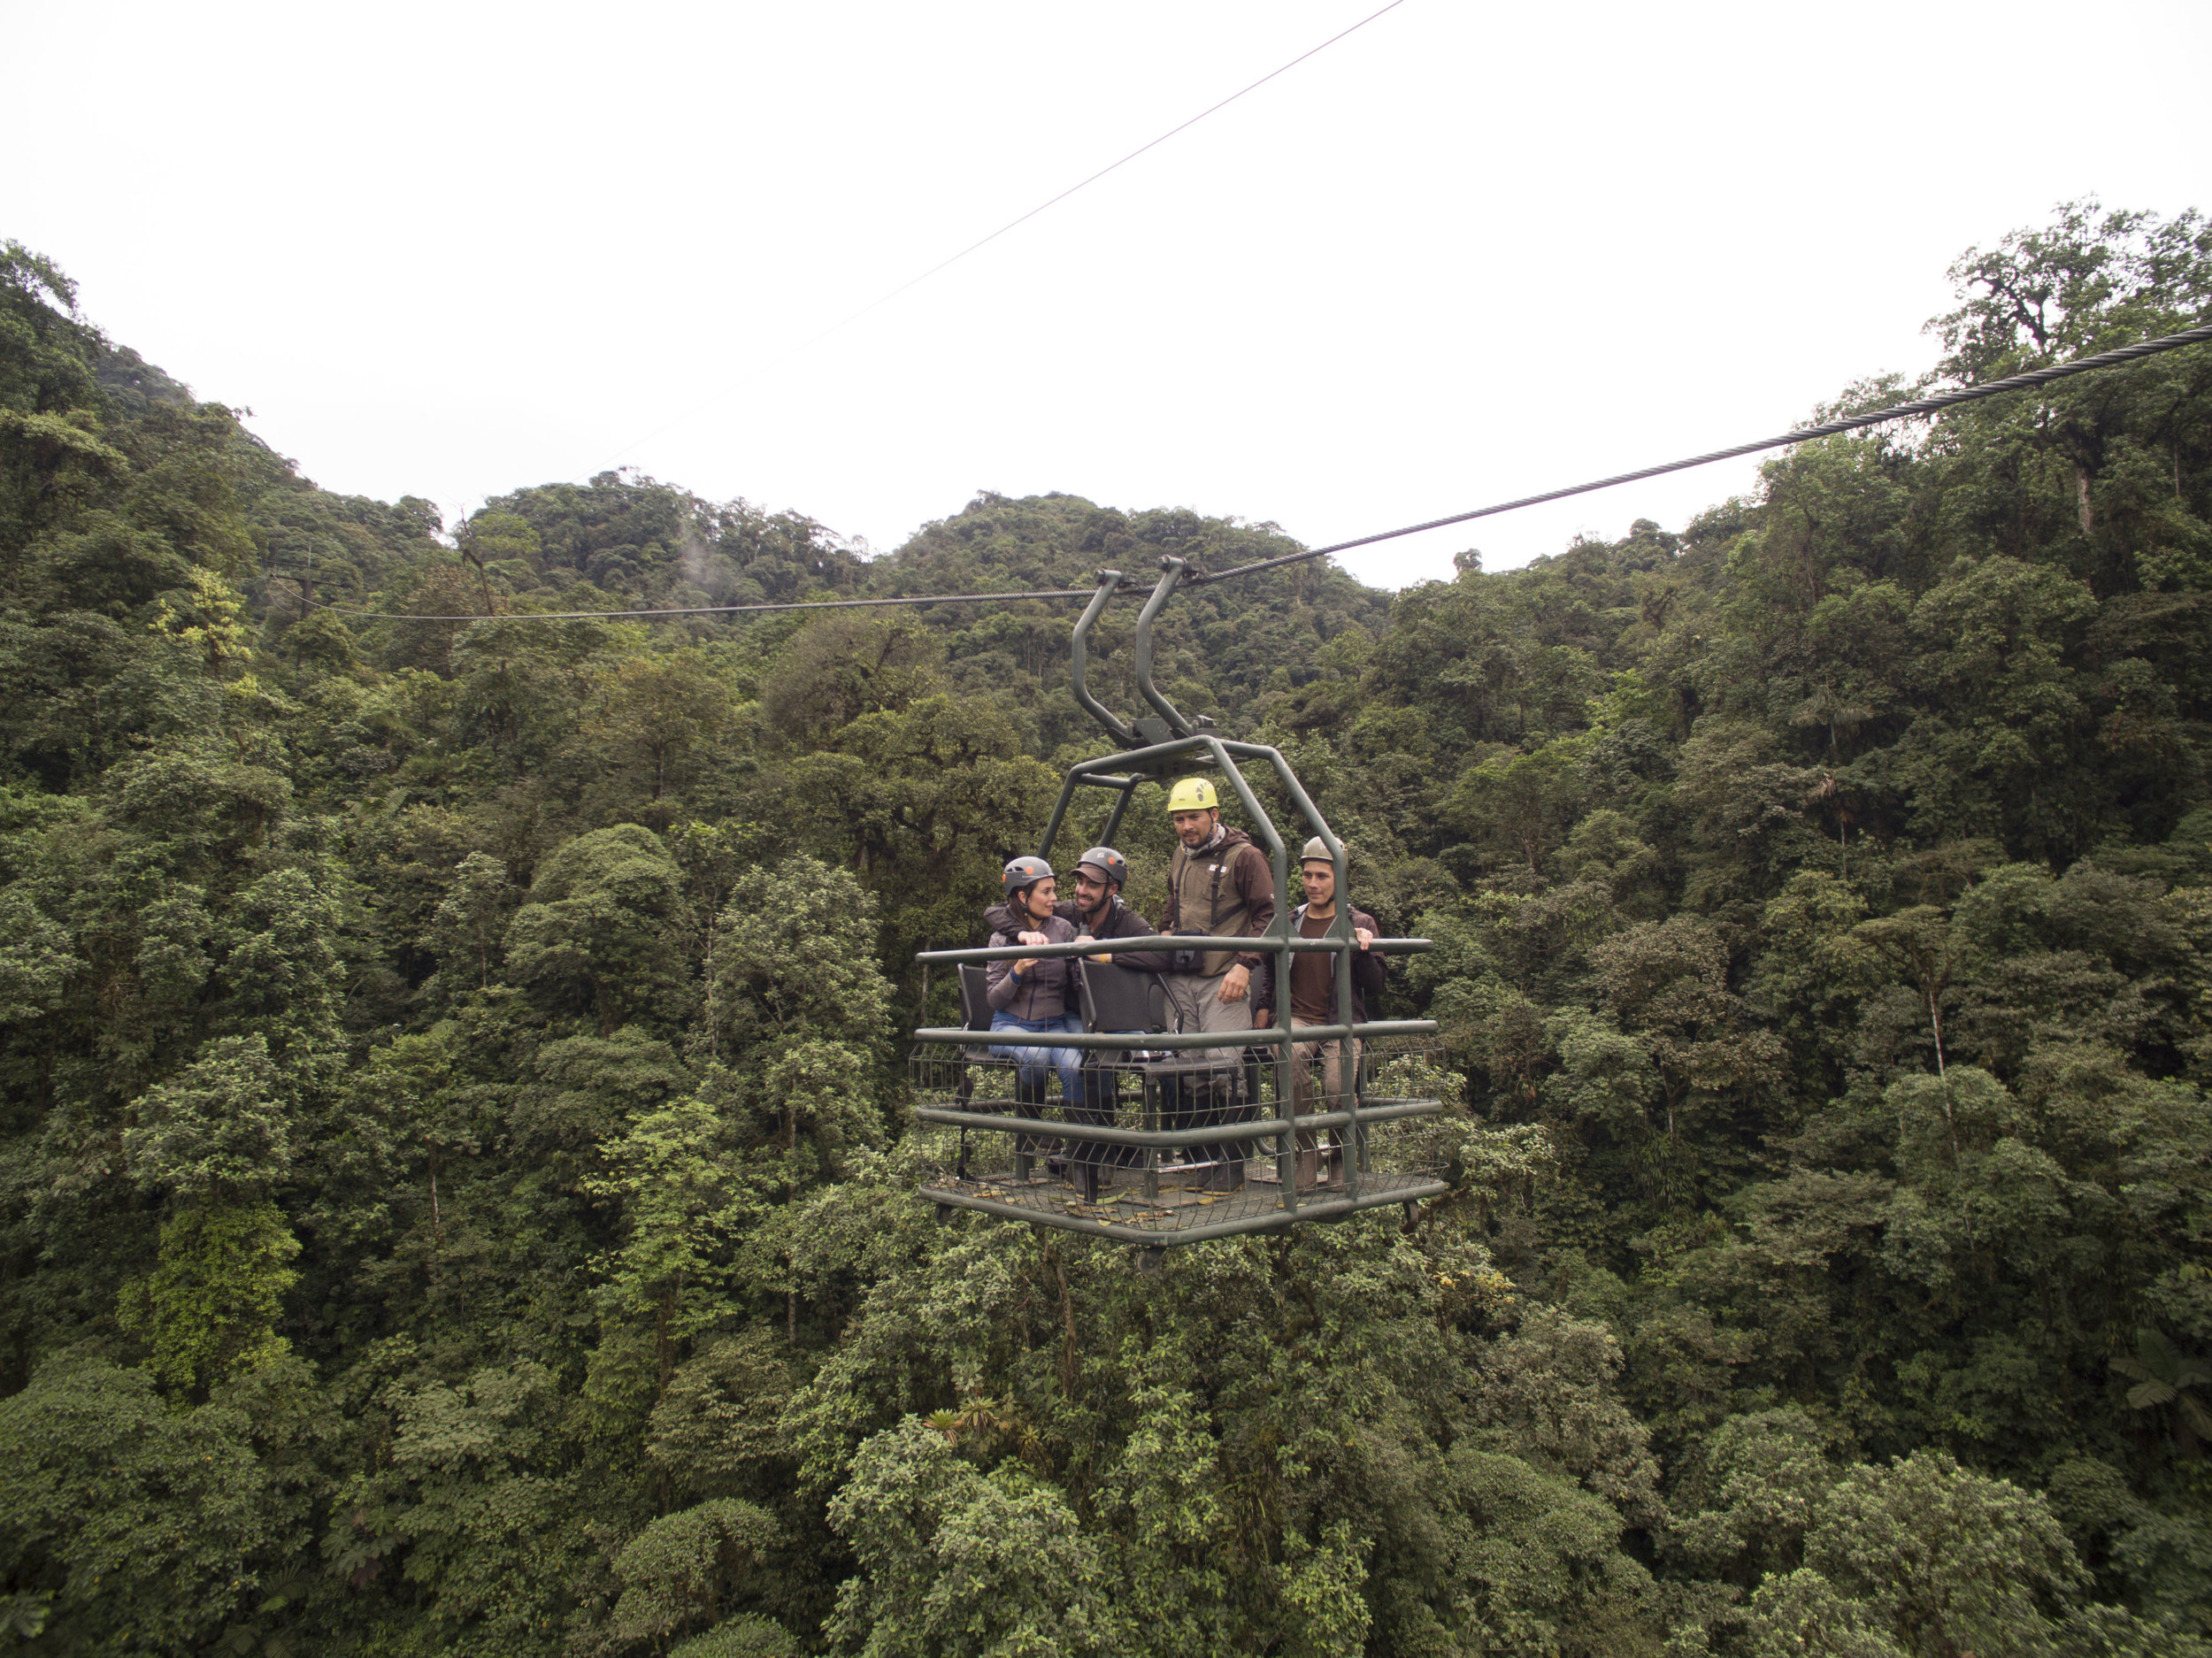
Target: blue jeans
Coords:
[[1031, 1063]]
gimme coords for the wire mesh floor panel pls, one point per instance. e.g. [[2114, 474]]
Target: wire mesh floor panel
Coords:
[[1055, 1199]]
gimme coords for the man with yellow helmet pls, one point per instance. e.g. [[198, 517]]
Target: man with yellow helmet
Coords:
[[1219, 885]]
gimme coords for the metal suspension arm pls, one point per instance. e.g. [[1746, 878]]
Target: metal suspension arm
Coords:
[[1078, 661], [1170, 577]]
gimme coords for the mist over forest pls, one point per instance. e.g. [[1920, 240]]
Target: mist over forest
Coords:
[[457, 1159]]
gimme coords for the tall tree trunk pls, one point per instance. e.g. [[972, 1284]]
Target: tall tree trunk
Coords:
[[1067, 1318], [2081, 498], [307, 597], [1950, 1125], [790, 1196]]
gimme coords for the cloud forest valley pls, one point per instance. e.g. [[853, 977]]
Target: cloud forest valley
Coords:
[[457, 1159]]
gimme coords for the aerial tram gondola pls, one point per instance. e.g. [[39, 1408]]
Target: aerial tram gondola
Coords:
[[1178, 1136]]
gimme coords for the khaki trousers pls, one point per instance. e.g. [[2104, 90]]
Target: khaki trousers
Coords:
[[1210, 1092], [1327, 1058], [1198, 1006]]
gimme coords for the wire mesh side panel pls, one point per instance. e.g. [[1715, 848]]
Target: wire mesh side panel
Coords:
[[1182, 1164], [978, 1079]]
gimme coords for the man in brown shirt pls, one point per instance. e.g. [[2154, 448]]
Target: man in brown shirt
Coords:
[[1313, 992]]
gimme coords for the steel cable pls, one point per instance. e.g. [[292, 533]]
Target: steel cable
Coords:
[[811, 341], [1918, 407], [1804, 435], [691, 609]]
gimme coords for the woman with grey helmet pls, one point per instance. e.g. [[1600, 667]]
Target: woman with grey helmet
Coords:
[[1033, 995], [1096, 910]]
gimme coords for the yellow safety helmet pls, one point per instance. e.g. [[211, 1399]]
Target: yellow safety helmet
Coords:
[[1192, 793]]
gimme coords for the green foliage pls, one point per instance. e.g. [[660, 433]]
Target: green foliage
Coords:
[[682, 1212], [680, 1572], [455, 1063], [209, 1309], [955, 1560], [35, 960], [2164, 1378], [220, 1131], [127, 1525], [745, 1636], [596, 938], [1945, 1559], [794, 957]]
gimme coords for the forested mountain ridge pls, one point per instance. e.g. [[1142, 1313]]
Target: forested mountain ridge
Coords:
[[456, 1173]]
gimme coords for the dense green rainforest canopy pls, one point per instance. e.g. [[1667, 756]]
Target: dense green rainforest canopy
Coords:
[[455, 1171]]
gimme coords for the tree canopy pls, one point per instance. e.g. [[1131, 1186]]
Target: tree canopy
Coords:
[[456, 1172]]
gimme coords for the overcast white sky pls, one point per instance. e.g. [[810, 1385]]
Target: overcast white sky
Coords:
[[1471, 252]]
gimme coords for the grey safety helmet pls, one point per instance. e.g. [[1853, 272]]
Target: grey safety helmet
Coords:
[[1109, 865], [1316, 852], [1022, 873]]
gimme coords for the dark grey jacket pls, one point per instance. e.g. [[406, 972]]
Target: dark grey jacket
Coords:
[[1047, 990]]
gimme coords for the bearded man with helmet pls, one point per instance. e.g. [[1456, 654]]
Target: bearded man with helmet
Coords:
[[1219, 885]]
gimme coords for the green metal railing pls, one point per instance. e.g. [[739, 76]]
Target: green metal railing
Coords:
[[1181, 744]]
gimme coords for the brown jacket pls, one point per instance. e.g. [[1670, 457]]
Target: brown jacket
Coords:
[[1247, 884]]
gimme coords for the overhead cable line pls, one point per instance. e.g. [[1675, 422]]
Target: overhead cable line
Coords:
[[1803, 434], [1853, 423], [811, 341], [694, 610]]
